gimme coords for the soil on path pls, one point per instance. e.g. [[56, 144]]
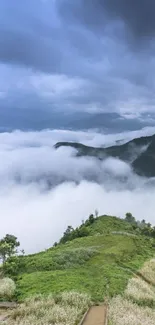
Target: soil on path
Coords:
[[3, 315], [96, 316]]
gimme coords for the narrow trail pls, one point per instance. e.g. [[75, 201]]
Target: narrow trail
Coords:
[[3, 316], [97, 315], [5, 308]]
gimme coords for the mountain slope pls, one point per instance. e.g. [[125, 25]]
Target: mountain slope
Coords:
[[140, 153], [145, 164], [99, 263]]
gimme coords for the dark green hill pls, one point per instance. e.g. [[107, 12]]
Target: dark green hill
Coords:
[[144, 165], [136, 152]]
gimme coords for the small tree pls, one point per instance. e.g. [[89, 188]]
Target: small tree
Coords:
[[129, 218], [8, 247], [91, 219]]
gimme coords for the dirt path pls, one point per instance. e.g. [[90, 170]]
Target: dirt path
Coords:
[[96, 316], [5, 308], [3, 315]]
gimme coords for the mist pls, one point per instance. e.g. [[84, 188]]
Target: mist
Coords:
[[43, 190]]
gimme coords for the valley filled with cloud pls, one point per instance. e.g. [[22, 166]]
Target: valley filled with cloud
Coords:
[[43, 190]]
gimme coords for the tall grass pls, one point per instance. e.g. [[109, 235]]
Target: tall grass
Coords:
[[124, 312], [65, 309], [141, 292], [7, 288], [148, 271]]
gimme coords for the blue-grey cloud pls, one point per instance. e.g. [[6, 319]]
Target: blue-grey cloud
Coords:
[[65, 56], [139, 16]]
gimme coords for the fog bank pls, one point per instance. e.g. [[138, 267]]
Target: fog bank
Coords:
[[38, 212]]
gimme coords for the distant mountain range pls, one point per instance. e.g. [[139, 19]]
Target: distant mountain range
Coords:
[[139, 153]]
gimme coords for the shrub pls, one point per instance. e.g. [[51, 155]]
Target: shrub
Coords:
[[73, 258], [7, 288]]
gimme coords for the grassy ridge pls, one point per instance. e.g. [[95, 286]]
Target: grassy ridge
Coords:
[[99, 264]]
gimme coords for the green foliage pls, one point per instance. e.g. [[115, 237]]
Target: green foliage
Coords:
[[50, 260], [129, 218], [71, 233], [96, 258], [105, 273], [12, 265], [8, 247]]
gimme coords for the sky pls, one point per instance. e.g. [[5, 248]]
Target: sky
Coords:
[[72, 70], [60, 58]]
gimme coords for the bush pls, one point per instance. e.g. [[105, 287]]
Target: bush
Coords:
[[7, 288], [71, 233]]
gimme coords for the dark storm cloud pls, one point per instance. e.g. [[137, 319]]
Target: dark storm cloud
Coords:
[[49, 35], [138, 15], [87, 12], [26, 38], [77, 40]]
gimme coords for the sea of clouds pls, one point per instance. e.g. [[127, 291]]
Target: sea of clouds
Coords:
[[43, 190]]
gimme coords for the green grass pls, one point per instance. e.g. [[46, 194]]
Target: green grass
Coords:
[[100, 264], [106, 224], [57, 259]]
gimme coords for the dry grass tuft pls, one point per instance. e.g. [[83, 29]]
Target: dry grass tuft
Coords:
[[134, 307], [7, 288], [140, 291], [66, 309], [148, 271], [124, 312]]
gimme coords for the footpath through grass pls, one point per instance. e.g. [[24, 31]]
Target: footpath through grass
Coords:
[[105, 271], [99, 263], [137, 304]]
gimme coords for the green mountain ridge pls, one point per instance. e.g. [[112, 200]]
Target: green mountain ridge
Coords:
[[139, 152], [98, 258]]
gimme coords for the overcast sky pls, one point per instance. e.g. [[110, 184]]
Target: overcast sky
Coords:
[[64, 63], [73, 56]]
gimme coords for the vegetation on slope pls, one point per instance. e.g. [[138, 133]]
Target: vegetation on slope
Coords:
[[66, 309], [98, 262], [137, 304], [7, 289]]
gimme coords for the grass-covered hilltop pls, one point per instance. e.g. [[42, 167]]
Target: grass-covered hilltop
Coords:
[[105, 260], [97, 258]]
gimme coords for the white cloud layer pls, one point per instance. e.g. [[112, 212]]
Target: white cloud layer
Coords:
[[38, 214]]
